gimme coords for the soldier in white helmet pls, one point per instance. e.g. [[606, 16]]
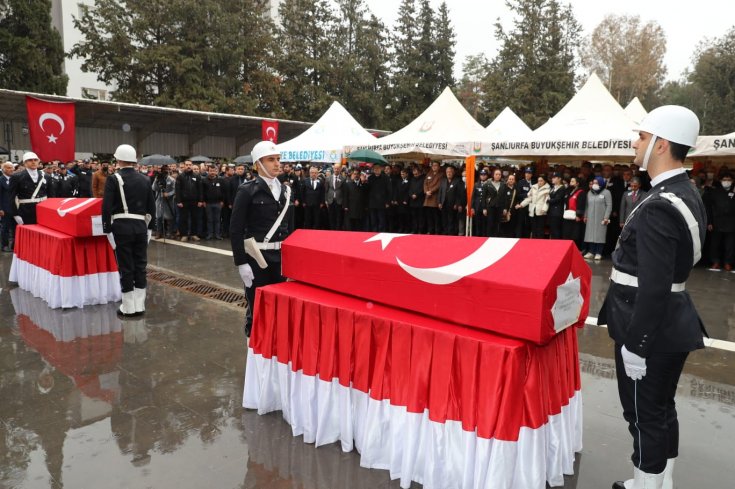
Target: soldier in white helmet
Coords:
[[128, 207], [262, 217], [647, 309], [27, 188]]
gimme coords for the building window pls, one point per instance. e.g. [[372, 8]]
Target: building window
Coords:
[[94, 93]]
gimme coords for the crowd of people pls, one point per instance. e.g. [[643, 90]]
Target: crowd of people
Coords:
[[587, 204]]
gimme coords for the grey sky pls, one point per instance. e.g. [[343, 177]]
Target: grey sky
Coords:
[[685, 23]]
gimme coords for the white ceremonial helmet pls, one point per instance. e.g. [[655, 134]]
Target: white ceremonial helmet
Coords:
[[30, 155], [264, 148], [126, 153], [670, 122]]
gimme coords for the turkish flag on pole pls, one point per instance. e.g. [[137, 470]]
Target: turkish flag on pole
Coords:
[[52, 128], [270, 131]]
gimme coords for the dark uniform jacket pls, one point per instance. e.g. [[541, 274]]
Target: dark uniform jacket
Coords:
[[140, 200], [189, 187], [478, 197], [721, 209], [402, 194], [656, 247], [5, 194], [557, 197], [213, 190], [416, 187], [66, 186], [253, 214], [22, 186], [523, 187]]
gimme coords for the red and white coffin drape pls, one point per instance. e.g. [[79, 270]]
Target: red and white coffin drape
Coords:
[[432, 402], [83, 344], [63, 270]]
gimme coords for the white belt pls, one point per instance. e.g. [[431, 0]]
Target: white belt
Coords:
[[126, 215], [624, 279], [269, 246], [31, 201]]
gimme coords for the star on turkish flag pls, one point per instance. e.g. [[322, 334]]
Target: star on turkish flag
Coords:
[[52, 129]]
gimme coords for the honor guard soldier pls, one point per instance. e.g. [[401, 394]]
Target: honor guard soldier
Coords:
[[128, 208], [647, 309], [27, 188], [262, 217]]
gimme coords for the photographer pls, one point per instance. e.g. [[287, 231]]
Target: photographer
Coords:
[[164, 189]]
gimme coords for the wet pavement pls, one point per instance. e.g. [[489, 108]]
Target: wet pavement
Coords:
[[89, 401]]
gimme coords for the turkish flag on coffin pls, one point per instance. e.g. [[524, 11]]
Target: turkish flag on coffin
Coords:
[[52, 129], [78, 217], [270, 131], [526, 289]]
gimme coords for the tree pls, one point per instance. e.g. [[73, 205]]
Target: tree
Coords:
[[470, 90], [405, 72], [628, 57], [445, 43], [207, 55], [306, 59], [31, 51], [713, 77], [426, 57], [361, 67], [533, 72]]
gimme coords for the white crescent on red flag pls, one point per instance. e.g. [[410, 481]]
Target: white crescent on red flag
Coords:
[[270, 131], [52, 129]]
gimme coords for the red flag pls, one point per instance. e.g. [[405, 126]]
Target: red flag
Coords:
[[470, 181], [270, 131], [52, 127]]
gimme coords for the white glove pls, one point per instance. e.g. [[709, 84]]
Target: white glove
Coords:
[[18, 219], [635, 366], [246, 274], [150, 233], [111, 239]]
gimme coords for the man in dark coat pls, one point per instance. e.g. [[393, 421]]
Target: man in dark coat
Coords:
[[721, 223], [354, 199], [452, 198], [416, 200], [648, 311], [312, 198], [189, 199], [379, 195], [66, 184], [479, 221], [7, 224]]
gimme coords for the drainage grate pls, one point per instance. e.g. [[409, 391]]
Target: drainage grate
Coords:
[[199, 287]]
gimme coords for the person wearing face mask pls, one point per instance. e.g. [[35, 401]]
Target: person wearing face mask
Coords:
[[721, 223], [596, 218], [27, 188], [647, 309], [98, 180]]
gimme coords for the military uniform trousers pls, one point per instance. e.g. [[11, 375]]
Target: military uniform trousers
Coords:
[[132, 258], [650, 409]]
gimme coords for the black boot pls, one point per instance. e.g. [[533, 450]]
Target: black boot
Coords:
[[618, 485]]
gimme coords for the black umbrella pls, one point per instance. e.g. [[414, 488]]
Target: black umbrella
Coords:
[[200, 159], [4, 151], [157, 160], [244, 159]]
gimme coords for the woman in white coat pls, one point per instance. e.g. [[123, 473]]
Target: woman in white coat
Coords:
[[538, 205], [596, 218]]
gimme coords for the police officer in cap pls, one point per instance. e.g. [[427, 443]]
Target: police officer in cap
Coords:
[[27, 189], [647, 309], [128, 207], [262, 217]]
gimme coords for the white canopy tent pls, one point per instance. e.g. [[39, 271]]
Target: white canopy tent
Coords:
[[440, 131], [709, 147], [636, 111], [324, 141], [507, 126], [592, 125]]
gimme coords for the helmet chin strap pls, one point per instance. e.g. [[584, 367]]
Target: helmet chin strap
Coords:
[[649, 150], [262, 167]]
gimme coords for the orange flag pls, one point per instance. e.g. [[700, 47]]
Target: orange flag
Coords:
[[469, 166]]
